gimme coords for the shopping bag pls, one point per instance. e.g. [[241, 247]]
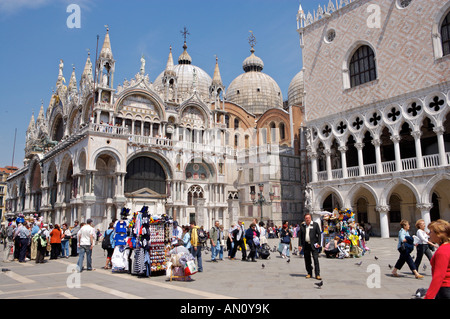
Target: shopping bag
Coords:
[[169, 269], [191, 268]]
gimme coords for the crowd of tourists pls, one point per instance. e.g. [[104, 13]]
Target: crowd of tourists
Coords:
[[32, 239]]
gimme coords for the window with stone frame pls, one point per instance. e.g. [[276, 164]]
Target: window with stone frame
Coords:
[[362, 66], [404, 3], [445, 35]]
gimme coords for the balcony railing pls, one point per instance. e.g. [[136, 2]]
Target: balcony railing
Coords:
[[431, 160], [408, 164], [353, 171], [110, 129], [206, 147], [388, 167], [370, 169], [337, 173]]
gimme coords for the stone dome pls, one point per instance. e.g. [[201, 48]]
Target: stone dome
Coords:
[[254, 90], [296, 90], [185, 73]]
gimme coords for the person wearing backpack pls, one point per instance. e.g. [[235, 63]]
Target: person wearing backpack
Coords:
[[41, 238], [196, 245], [202, 237], [108, 245]]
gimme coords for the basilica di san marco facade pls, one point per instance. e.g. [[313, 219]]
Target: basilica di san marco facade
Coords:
[[184, 145]]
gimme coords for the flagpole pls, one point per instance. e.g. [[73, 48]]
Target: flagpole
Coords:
[[14, 147]]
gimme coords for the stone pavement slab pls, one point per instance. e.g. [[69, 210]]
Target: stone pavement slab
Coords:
[[222, 280]]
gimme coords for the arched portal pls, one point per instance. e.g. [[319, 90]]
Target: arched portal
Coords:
[[331, 202], [145, 172]]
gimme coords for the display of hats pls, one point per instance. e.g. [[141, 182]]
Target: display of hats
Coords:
[[144, 209], [125, 212]]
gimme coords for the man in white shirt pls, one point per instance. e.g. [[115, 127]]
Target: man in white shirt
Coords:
[[310, 240], [86, 240], [177, 232]]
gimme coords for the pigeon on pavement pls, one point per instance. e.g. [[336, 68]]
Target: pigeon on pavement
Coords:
[[319, 285], [420, 293]]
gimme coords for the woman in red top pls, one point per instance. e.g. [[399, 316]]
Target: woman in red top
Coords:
[[55, 242], [440, 263]]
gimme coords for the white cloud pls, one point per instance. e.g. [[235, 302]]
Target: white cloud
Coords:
[[13, 6], [9, 7]]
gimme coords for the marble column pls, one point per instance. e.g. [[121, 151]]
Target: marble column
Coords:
[[313, 157], [343, 150], [425, 213], [384, 220], [398, 157], [441, 145], [418, 144], [327, 153], [377, 144], [200, 214], [359, 147]]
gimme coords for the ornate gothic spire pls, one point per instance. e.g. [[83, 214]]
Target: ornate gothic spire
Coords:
[[61, 80], [73, 82], [32, 125], [106, 52], [41, 116], [169, 67], [217, 79]]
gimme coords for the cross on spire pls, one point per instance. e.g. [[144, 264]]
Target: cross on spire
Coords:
[[252, 40], [185, 33]]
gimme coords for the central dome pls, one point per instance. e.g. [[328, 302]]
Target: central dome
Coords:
[[188, 76], [254, 90]]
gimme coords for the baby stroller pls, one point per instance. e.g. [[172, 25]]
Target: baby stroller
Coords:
[[264, 251]]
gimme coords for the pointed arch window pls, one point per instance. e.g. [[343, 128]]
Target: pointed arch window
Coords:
[[282, 131], [445, 35], [362, 66]]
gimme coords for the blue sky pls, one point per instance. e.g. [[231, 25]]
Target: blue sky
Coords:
[[34, 36]]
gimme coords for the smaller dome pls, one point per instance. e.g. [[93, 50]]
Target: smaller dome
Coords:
[[296, 90], [253, 63]]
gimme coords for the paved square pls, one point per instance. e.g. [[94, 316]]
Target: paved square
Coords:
[[225, 279]]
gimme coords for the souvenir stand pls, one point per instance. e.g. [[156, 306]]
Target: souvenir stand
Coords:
[[160, 230], [149, 241], [342, 224]]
